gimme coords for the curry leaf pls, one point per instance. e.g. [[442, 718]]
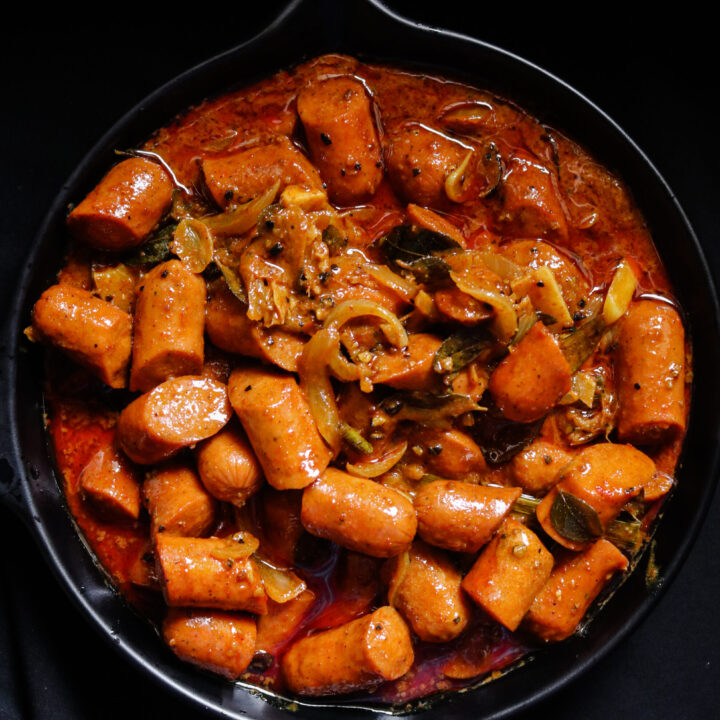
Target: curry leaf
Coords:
[[462, 348], [574, 519], [154, 250], [408, 243]]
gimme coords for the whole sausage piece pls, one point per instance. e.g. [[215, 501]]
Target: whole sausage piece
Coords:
[[573, 585], [605, 476], [419, 160], [509, 573], [92, 332], [343, 142], [221, 642], [124, 207], [358, 655], [276, 417], [536, 468], [530, 381], [169, 323], [424, 586], [177, 413], [177, 502], [208, 572], [359, 514], [110, 484], [228, 467], [650, 374], [229, 329], [244, 175], [459, 516]]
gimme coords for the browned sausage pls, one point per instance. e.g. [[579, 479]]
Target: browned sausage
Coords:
[[358, 514], [509, 573], [449, 453], [124, 207], [424, 586], [208, 572], [536, 468], [221, 642], [169, 322], [91, 331], [228, 467], [282, 621], [358, 655], [410, 369], [459, 516], [343, 142], [573, 585], [175, 414], [650, 373], [177, 502], [244, 175], [528, 383], [229, 328], [531, 203], [605, 476], [110, 483], [418, 161], [276, 417]]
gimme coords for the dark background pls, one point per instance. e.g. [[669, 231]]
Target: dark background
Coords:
[[64, 83]]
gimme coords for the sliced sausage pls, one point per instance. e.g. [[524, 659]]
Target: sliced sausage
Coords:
[[221, 642], [605, 476], [411, 368], [276, 417], [282, 621], [358, 514], [175, 414], [530, 381], [650, 374], [124, 207], [358, 655], [92, 332], [208, 572], [449, 453], [110, 484], [229, 328], [418, 161], [177, 502], [244, 175], [343, 142], [531, 205], [509, 573], [573, 586], [460, 516], [424, 586], [169, 324], [228, 467], [536, 468]]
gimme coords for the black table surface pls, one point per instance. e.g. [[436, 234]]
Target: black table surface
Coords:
[[65, 84]]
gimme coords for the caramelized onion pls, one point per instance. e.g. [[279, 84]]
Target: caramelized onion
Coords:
[[378, 466]]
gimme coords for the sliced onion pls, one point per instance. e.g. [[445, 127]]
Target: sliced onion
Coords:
[[406, 289], [350, 309], [455, 182], [500, 265], [193, 243], [379, 466], [504, 324], [238, 547], [281, 585], [403, 563], [240, 219]]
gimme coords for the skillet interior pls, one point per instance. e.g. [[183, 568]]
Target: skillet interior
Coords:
[[363, 36]]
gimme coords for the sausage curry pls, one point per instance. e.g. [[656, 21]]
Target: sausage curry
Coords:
[[362, 381]]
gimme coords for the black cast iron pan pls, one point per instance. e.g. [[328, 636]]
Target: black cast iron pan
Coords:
[[368, 30]]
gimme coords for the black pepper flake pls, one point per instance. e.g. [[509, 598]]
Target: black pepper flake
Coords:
[[547, 459], [578, 316], [142, 287], [378, 626], [148, 558], [342, 171], [416, 172], [276, 249], [378, 164], [325, 138], [248, 388], [229, 194], [581, 303], [435, 449], [358, 166], [269, 224], [161, 528], [164, 274], [540, 283], [637, 386]]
